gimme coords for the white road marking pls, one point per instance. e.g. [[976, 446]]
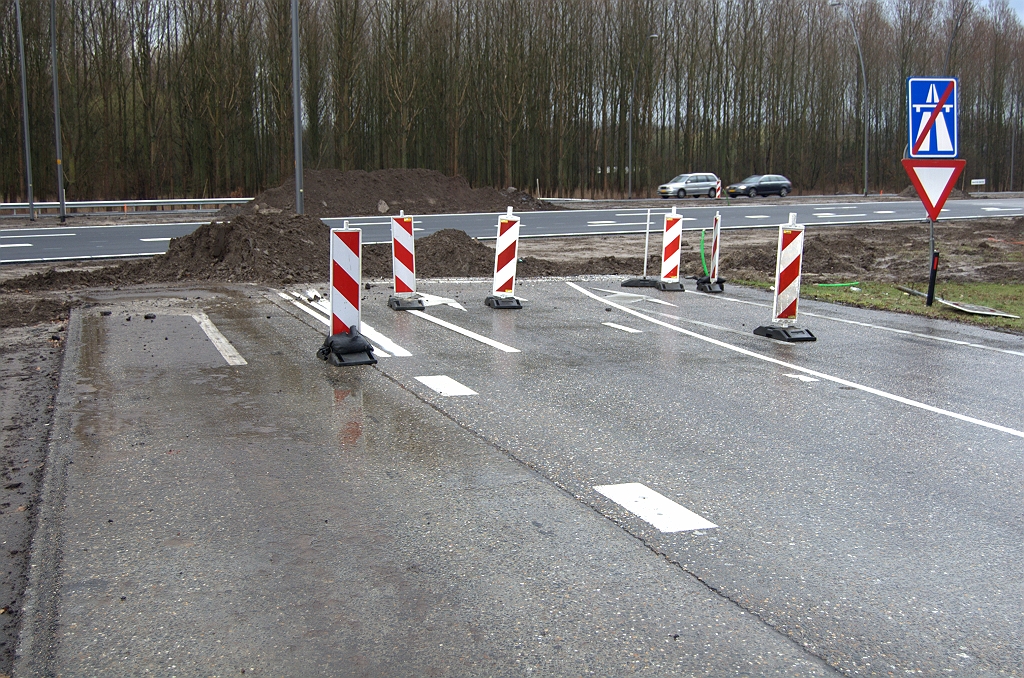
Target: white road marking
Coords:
[[599, 223], [446, 386], [1000, 209], [17, 244], [659, 301], [155, 239], [464, 332], [303, 307], [384, 343], [757, 216], [622, 327], [655, 508], [219, 341], [40, 235], [894, 330], [825, 214], [885, 212], [813, 373], [801, 377]]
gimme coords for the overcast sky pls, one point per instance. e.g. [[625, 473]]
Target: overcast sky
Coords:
[[1019, 6]]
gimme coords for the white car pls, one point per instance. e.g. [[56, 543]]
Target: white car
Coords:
[[696, 184]]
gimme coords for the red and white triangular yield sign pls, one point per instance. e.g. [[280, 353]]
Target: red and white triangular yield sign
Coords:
[[933, 179]]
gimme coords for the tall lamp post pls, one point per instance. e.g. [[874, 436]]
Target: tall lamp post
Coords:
[[24, 116], [297, 110], [864, 78], [56, 110], [632, 91]]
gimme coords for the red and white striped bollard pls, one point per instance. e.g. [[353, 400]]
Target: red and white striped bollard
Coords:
[[788, 265], [403, 265], [671, 240], [506, 253]]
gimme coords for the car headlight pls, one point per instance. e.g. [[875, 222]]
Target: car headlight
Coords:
[[739, 186]]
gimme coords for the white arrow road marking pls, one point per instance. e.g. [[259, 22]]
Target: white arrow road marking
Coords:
[[813, 373], [657, 509], [434, 300], [801, 377], [219, 340], [622, 327], [464, 332], [446, 386]]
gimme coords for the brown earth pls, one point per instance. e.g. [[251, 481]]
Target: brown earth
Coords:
[[333, 193]]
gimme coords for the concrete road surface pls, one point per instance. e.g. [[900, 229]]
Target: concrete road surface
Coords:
[[218, 500]]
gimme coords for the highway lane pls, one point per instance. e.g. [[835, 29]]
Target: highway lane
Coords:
[[70, 242], [28, 245]]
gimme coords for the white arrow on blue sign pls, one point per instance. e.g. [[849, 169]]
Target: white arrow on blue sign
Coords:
[[933, 128]]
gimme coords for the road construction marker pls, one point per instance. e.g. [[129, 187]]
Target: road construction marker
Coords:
[[804, 370], [346, 275], [655, 508], [671, 236], [506, 254], [219, 341], [386, 348], [788, 264], [403, 265], [712, 283], [446, 386]]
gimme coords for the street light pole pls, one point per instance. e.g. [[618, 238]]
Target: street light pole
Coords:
[[24, 116], [56, 110], [297, 109], [864, 77], [632, 91]]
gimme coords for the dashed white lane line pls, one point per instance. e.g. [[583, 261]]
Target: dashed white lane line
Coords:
[[801, 377], [446, 386], [885, 212], [16, 244], [464, 332], [757, 216], [655, 508], [804, 370], [623, 328], [155, 239], [895, 330], [219, 341], [39, 235]]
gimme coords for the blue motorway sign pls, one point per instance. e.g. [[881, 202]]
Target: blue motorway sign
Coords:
[[933, 128]]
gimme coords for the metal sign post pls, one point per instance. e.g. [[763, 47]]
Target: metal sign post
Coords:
[[933, 142]]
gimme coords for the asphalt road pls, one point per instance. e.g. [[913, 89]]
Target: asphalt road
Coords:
[[290, 518], [69, 242]]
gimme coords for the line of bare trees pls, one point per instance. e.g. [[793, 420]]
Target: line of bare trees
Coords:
[[193, 97]]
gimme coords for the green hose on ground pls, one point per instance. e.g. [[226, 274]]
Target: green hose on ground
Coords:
[[702, 262]]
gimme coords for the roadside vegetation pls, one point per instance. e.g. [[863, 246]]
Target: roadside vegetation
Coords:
[[193, 97]]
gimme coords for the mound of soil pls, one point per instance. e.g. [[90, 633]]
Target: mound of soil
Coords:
[[333, 193], [954, 194]]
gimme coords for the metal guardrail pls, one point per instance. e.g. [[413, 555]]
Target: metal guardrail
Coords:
[[126, 204]]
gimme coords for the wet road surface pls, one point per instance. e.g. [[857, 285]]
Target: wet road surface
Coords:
[[289, 518]]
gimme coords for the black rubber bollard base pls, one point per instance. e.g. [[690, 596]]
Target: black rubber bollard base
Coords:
[[790, 334], [406, 303], [670, 286], [503, 302], [706, 284], [640, 282]]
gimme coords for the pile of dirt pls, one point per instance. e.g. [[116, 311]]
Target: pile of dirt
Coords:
[[333, 193], [954, 193]]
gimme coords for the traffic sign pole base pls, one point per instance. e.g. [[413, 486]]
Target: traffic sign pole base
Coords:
[[706, 284], [495, 301], [788, 334], [669, 286], [640, 282], [406, 303]]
